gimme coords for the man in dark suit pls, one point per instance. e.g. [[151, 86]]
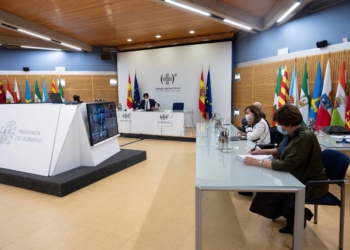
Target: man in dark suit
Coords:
[[147, 103]]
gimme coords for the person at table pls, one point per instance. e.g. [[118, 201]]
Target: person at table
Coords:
[[147, 103], [244, 121], [257, 130], [299, 154]]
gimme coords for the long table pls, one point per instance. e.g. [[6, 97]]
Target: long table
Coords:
[[154, 123], [330, 142], [220, 171]]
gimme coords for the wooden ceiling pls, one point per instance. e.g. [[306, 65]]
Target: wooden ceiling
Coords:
[[112, 22]]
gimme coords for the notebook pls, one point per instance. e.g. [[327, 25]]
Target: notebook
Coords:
[[259, 157]]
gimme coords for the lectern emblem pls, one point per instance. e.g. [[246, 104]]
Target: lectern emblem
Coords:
[[126, 116], [164, 117], [7, 132]]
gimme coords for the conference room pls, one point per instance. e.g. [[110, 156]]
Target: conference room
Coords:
[[88, 161]]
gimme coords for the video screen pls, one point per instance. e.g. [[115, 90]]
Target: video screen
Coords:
[[102, 120]]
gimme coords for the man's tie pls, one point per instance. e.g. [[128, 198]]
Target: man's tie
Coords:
[[146, 105], [285, 142]]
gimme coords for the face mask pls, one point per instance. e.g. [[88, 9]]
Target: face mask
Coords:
[[146, 98], [279, 128], [247, 117]]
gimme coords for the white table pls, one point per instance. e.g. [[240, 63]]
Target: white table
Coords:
[[154, 123], [221, 171], [329, 142]]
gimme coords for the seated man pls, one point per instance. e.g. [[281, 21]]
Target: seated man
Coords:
[[147, 103]]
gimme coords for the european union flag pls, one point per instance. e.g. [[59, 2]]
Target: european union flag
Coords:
[[316, 97], [208, 100], [136, 103], [28, 96]]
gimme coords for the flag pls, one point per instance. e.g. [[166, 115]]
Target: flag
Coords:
[[338, 114], [45, 95], [304, 103], [61, 91], [9, 95], [277, 93], [28, 97], [2, 93], [325, 109], [53, 86], [136, 94], [293, 91], [129, 97], [16, 96], [37, 96], [284, 98], [208, 99], [202, 96], [316, 96]]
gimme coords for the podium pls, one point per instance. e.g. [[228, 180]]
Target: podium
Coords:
[[48, 139]]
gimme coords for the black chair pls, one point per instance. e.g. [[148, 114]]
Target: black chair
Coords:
[[178, 106], [275, 136], [336, 164]]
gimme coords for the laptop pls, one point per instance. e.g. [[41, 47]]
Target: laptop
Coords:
[[55, 97]]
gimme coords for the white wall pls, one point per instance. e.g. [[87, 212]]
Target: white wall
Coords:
[[187, 63]]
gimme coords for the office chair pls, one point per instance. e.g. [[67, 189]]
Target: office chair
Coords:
[[336, 164], [178, 106]]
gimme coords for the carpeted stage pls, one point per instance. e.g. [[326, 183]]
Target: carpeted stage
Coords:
[[73, 180]]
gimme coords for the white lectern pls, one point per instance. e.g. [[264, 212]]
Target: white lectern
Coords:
[[49, 139]]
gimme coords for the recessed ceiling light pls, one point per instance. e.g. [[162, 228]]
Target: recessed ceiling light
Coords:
[[71, 46], [158, 36], [288, 11], [129, 40], [32, 47], [188, 7], [237, 24], [192, 32], [32, 34]]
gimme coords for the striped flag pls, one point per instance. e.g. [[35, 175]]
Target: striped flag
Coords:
[[338, 114], [53, 86], [304, 103], [316, 96], [61, 91], [9, 95], [284, 98], [2, 93], [277, 93], [293, 91], [16, 96], [129, 96], [325, 109], [202, 96]]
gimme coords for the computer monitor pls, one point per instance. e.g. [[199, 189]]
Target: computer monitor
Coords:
[[55, 98]]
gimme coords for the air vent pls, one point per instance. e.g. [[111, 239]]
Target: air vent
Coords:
[[322, 4], [110, 50]]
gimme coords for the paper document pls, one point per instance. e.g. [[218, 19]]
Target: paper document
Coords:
[[340, 137], [259, 157]]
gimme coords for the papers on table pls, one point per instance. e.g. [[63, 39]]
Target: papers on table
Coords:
[[259, 157], [340, 137]]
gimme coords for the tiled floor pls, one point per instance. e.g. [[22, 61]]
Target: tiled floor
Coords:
[[147, 207]]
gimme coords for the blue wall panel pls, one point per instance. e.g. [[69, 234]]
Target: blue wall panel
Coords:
[[300, 33], [41, 60]]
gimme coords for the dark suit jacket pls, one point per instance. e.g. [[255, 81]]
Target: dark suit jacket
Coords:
[[152, 103]]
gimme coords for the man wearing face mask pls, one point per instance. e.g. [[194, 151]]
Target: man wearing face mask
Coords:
[[147, 103], [299, 154]]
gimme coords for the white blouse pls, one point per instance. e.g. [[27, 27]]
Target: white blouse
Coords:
[[259, 133]]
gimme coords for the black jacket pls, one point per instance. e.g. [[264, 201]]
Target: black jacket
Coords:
[[152, 103]]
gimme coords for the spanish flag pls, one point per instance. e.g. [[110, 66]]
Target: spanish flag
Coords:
[[129, 98], [202, 96], [53, 86]]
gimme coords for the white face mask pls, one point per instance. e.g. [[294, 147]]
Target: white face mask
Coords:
[[146, 98], [247, 117]]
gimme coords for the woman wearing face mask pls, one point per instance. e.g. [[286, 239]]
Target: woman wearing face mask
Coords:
[[257, 131], [299, 154]]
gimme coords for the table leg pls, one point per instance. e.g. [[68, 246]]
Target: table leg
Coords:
[[198, 227], [298, 235]]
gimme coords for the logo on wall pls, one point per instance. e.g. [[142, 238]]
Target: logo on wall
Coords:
[[163, 117], [7, 132], [126, 116], [168, 78]]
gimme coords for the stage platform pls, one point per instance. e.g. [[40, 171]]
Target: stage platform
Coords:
[[72, 180]]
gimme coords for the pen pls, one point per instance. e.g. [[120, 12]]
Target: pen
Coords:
[[254, 147]]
